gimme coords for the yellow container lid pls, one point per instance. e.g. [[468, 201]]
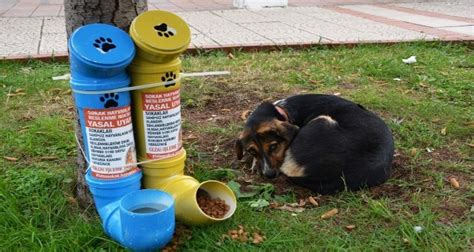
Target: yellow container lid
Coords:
[[160, 32]]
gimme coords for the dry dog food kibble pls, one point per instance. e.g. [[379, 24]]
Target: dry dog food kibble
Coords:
[[216, 208]]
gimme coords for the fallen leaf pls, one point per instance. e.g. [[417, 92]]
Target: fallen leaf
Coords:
[[62, 77], [398, 121], [274, 205], [443, 131], [454, 182], [71, 200], [190, 137], [257, 238], [26, 70], [409, 60], [68, 180], [245, 114], [67, 92], [417, 229], [329, 214], [260, 203], [13, 159], [291, 209], [470, 145], [413, 151], [230, 56], [313, 201], [235, 187], [350, 227], [429, 150], [302, 203]]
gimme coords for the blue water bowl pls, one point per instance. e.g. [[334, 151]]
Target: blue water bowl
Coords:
[[148, 219]]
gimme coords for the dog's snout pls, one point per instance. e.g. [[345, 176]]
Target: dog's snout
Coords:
[[269, 173], [267, 170]]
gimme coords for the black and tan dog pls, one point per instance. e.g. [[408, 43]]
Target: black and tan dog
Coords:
[[321, 142]]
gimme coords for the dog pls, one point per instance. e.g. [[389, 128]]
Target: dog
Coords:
[[321, 142]]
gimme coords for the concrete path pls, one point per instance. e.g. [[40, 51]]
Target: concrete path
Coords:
[[36, 27]]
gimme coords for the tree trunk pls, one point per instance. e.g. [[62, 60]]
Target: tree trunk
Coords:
[[81, 12], [116, 12]]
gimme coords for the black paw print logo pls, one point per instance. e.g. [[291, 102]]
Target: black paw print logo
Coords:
[[104, 45], [169, 76], [165, 30], [110, 100]]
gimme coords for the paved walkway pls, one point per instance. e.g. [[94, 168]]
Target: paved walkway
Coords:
[[36, 27]]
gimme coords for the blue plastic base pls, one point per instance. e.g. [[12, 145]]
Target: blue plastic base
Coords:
[[141, 220]]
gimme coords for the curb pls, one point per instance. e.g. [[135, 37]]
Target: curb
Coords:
[[63, 56]]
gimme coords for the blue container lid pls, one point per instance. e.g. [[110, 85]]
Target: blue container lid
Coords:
[[102, 45], [112, 183]]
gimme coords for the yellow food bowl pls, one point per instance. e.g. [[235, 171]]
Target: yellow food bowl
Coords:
[[185, 190]]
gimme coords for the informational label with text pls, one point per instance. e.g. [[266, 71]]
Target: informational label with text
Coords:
[[162, 122], [110, 141]]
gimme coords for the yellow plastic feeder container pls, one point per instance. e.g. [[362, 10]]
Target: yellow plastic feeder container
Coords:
[[160, 36], [156, 111]]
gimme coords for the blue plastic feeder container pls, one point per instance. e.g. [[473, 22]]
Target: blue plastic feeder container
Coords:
[[99, 55], [141, 220]]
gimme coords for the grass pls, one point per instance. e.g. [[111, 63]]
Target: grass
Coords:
[[429, 111]]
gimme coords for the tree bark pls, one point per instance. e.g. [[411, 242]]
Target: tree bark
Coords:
[[116, 12], [81, 12]]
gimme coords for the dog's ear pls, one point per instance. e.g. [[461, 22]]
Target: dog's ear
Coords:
[[288, 130], [239, 151]]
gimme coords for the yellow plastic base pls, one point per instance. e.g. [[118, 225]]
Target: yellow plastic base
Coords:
[[156, 174], [167, 175], [184, 189]]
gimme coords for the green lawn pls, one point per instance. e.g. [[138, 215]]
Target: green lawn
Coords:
[[430, 111]]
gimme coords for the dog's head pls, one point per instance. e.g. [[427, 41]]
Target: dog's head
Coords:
[[266, 136]]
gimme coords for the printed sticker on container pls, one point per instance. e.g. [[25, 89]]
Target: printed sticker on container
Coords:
[[162, 122], [111, 143]]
